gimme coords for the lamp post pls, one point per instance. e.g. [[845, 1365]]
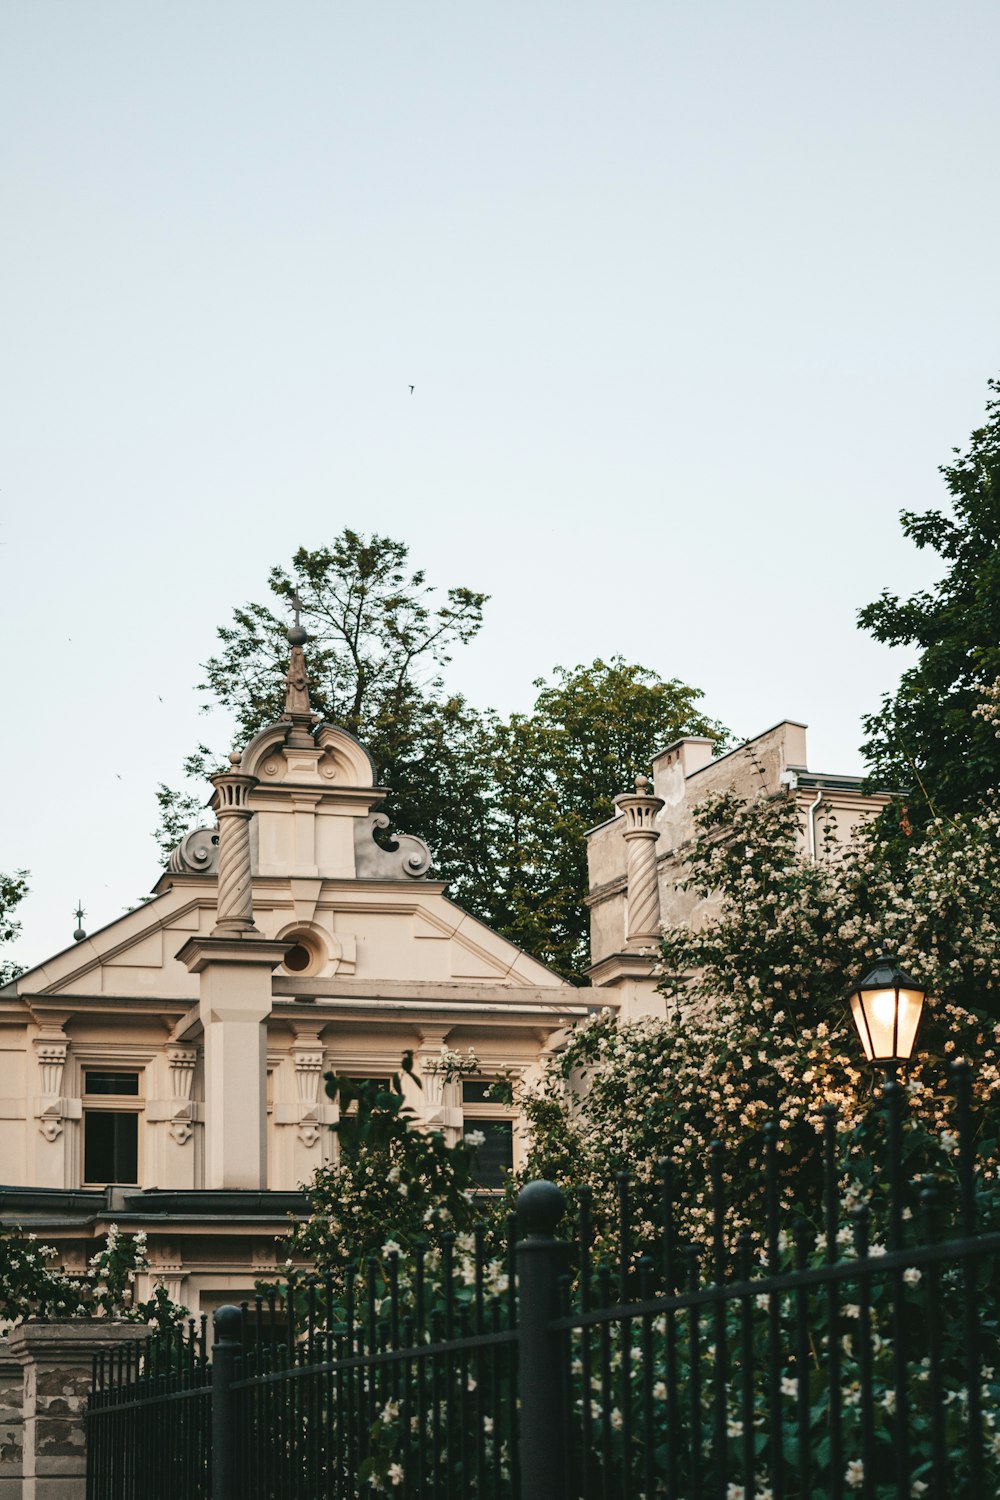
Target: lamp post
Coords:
[[886, 1007]]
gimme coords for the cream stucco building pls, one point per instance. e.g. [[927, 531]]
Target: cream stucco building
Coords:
[[636, 859], [165, 1073]]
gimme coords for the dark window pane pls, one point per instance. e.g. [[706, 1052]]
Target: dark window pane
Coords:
[[110, 1083], [478, 1092], [382, 1084], [110, 1147], [495, 1156], [297, 958]]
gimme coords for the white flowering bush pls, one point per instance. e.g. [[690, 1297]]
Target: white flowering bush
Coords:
[[33, 1286], [391, 1177], [758, 1029], [757, 1032]]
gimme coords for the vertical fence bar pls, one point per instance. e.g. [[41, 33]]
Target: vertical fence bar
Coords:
[[540, 1262], [691, 1253], [225, 1354], [962, 1074], [775, 1414], [669, 1274], [865, 1352], [585, 1233], [929, 1201], [831, 1228], [802, 1361], [747, 1372], [625, 1329], [720, 1373]]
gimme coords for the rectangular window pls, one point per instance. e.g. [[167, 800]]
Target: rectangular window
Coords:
[[477, 1092], [103, 1082], [110, 1146], [495, 1157], [111, 1128], [382, 1084]]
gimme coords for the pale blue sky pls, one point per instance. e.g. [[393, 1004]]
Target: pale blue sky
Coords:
[[694, 297]]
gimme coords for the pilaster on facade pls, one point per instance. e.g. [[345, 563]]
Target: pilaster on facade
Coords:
[[307, 1054], [51, 1048], [182, 1062], [437, 1104], [234, 974]]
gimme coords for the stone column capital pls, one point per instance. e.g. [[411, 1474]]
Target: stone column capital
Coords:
[[639, 808], [235, 893]]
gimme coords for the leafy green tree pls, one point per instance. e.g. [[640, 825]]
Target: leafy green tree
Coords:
[[503, 804], [929, 736], [379, 635], [378, 638], [13, 889], [557, 771]]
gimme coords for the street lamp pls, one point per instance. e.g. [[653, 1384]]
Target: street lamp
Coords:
[[886, 1007]]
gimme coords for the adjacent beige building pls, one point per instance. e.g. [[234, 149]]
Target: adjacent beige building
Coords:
[[636, 859], [165, 1073]]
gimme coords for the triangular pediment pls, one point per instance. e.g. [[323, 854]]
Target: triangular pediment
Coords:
[[135, 952]]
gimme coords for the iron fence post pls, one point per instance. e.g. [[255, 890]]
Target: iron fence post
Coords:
[[541, 1261], [226, 1349]]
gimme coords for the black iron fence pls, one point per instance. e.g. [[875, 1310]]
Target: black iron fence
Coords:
[[850, 1355]]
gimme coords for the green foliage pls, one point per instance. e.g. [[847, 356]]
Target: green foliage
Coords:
[[557, 771], [796, 929], [928, 736], [13, 889], [378, 638], [376, 633], [182, 809], [392, 1181], [31, 1286], [503, 805], [757, 1029]]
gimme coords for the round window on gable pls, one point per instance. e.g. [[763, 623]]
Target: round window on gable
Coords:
[[298, 959], [305, 956]]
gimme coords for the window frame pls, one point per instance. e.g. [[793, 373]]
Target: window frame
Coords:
[[489, 1112], [112, 1104]]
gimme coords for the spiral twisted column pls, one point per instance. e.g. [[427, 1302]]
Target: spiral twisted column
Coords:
[[639, 809], [234, 903]]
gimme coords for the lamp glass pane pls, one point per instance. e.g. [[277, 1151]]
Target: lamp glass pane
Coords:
[[857, 1012], [880, 1010], [911, 1003]]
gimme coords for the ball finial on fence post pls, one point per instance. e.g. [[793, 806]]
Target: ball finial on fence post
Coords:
[[540, 1206]]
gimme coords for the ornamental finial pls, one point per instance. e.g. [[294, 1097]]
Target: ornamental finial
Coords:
[[79, 914], [298, 709]]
